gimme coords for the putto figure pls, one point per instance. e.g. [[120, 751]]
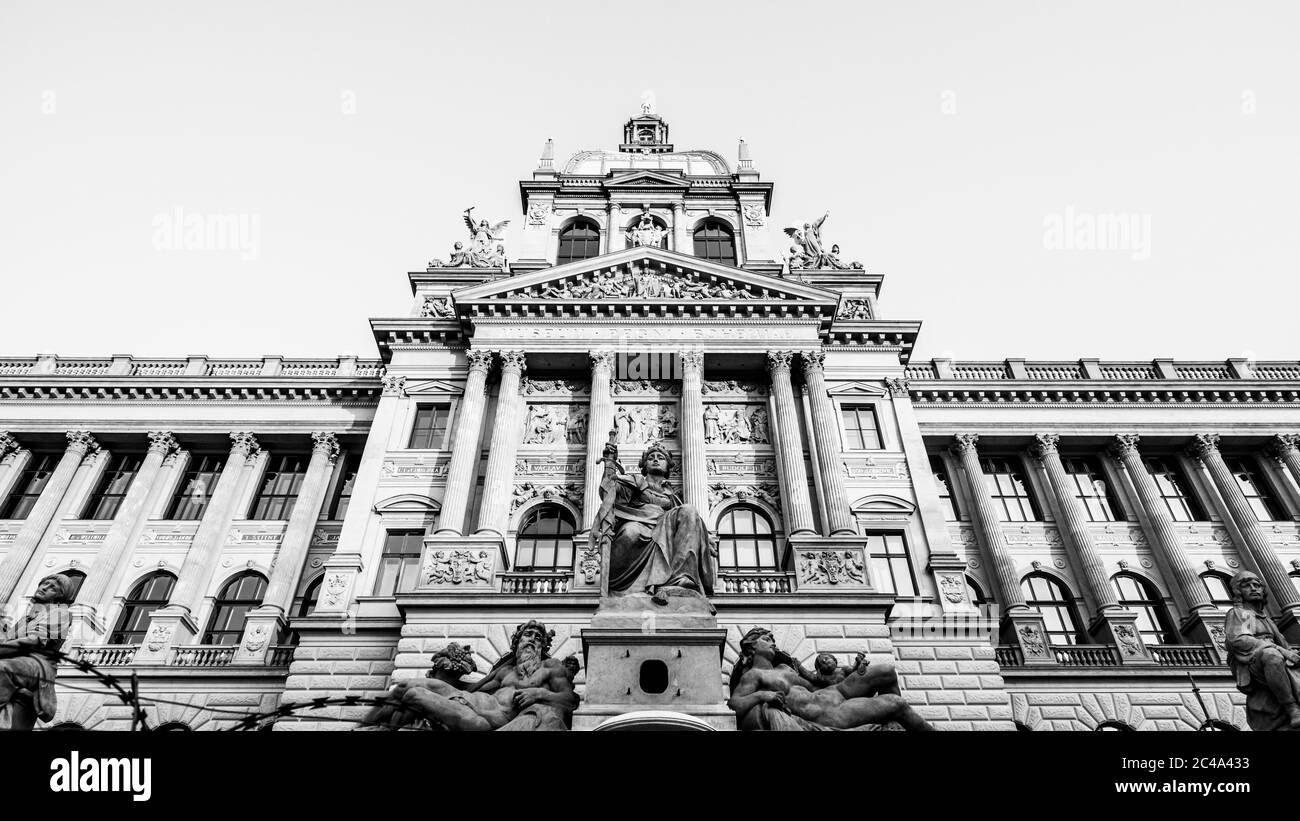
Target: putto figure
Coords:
[[525, 690], [1264, 664], [655, 542], [26, 664], [771, 691]]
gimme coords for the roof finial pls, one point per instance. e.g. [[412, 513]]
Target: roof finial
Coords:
[[548, 155], [745, 161], [647, 102]]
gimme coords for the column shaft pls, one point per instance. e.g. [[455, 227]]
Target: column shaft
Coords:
[[1076, 524], [463, 468], [1168, 547], [302, 522], [10, 470], [826, 431], [793, 475], [80, 443], [1206, 448], [129, 520], [1286, 447], [201, 560], [989, 525], [614, 221], [600, 419], [695, 481], [680, 238], [494, 511]]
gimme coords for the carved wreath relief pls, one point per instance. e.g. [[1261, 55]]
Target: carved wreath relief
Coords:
[[953, 587]]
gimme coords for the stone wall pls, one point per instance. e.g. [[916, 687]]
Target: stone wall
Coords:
[[1080, 709], [955, 685]]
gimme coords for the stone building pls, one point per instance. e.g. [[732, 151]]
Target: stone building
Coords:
[[1038, 545]]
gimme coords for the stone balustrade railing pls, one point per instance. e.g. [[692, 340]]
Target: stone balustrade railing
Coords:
[[536, 583], [1020, 370], [202, 655], [107, 655], [343, 367], [755, 584]]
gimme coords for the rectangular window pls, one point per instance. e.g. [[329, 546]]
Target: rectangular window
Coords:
[[1092, 490], [1175, 490], [430, 427], [195, 488], [113, 485], [29, 485], [338, 506], [1256, 490], [860, 429], [399, 568], [891, 568], [1010, 490], [280, 485], [947, 500]]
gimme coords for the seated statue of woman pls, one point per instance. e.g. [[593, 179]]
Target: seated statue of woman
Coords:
[[655, 542], [769, 693]]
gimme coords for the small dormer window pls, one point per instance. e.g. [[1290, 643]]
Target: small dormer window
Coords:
[[579, 241], [715, 242]]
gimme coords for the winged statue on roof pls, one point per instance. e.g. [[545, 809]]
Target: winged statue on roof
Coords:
[[809, 251], [486, 242]]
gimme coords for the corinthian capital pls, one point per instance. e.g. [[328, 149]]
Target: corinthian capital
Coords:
[[1203, 444], [692, 361], [1281, 446], [326, 443], [897, 386], [1125, 444], [601, 360], [242, 443], [813, 362], [394, 385], [80, 441], [1044, 445], [8, 444], [161, 441], [779, 361], [479, 360], [512, 361], [964, 443]]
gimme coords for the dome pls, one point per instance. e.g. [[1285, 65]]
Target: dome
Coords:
[[691, 163]]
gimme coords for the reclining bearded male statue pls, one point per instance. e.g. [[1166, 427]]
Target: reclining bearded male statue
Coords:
[[1267, 669], [654, 541], [526, 689], [772, 691]]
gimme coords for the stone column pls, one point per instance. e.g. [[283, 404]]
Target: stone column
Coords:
[[794, 477], [826, 432], [1284, 447], [1206, 448], [680, 238], [615, 224], [988, 525], [600, 419], [9, 469], [343, 568], [1075, 523], [1168, 548], [263, 625], [80, 443], [695, 480], [128, 523], [174, 624], [463, 468], [494, 511]]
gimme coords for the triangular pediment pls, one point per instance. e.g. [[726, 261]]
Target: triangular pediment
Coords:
[[642, 178], [647, 275]]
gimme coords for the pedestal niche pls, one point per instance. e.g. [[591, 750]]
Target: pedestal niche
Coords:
[[653, 667]]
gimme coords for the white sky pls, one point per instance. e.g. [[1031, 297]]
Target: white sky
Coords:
[[111, 114]]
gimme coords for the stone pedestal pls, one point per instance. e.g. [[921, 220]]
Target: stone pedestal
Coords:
[[170, 626], [642, 657], [1024, 627], [1119, 627]]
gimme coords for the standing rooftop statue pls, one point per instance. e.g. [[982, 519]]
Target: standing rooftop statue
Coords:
[[1262, 660], [810, 252]]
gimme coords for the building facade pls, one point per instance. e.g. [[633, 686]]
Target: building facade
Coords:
[[1036, 545]]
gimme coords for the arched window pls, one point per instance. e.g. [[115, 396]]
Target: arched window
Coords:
[[1057, 606], [306, 606], [1113, 726], [545, 540], [240, 595], [579, 241], [1217, 585], [150, 593], [746, 540], [77, 578], [714, 241], [173, 727], [1139, 595], [976, 593]]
